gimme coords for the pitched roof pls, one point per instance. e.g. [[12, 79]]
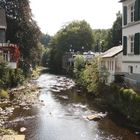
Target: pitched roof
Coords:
[[122, 0], [3, 24], [112, 52]]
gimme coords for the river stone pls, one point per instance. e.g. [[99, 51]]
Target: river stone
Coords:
[[22, 129]]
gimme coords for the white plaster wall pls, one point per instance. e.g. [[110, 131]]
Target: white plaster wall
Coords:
[[130, 29], [118, 62], [127, 3], [136, 67], [12, 65]]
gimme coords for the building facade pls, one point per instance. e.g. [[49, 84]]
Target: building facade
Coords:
[[112, 61], [131, 36]]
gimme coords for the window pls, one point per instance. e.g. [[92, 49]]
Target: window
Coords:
[[131, 42], [132, 13]]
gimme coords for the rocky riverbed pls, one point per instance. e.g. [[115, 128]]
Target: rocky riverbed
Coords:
[[24, 96]]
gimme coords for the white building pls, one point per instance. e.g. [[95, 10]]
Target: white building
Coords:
[[112, 60], [131, 40]]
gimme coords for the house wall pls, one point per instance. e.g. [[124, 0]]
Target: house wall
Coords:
[[12, 65], [113, 65], [131, 28]]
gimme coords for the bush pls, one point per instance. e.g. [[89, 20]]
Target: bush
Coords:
[[4, 94], [10, 77]]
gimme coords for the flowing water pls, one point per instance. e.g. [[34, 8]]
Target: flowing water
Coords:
[[61, 115]]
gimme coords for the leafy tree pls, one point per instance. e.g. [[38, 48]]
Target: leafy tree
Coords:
[[21, 28], [100, 39], [76, 36], [79, 64], [46, 57], [105, 39], [117, 30], [44, 39], [90, 76], [115, 33]]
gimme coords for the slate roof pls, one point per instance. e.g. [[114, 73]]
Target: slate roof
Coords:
[[3, 24], [112, 52]]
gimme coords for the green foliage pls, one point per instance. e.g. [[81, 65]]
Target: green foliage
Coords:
[[117, 30], [79, 63], [100, 39], [44, 39], [16, 77], [127, 101], [4, 131], [90, 77], [76, 36], [4, 75], [105, 39], [21, 28], [4, 94], [115, 33], [10, 77], [46, 57]]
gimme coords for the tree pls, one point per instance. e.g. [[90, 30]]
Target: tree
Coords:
[[105, 39], [93, 78], [76, 36], [115, 33], [100, 39], [79, 65], [21, 28], [117, 30], [44, 39]]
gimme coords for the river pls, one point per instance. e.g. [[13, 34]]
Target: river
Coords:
[[63, 116]]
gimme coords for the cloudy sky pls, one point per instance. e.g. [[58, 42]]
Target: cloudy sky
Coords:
[[51, 15]]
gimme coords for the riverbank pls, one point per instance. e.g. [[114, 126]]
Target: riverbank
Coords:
[[126, 102], [65, 107], [25, 96]]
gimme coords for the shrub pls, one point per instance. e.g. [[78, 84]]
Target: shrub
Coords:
[[4, 94]]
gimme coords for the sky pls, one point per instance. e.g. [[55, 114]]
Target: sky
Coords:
[[52, 15]]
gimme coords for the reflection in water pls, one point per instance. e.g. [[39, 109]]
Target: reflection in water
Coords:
[[62, 116]]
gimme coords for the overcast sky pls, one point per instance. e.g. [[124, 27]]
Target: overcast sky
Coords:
[[51, 15]]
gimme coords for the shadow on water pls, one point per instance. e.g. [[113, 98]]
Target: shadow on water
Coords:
[[63, 115]]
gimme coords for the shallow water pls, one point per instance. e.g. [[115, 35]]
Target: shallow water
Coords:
[[62, 116]]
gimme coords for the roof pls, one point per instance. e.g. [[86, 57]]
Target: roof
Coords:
[[112, 52], [122, 0], [3, 24]]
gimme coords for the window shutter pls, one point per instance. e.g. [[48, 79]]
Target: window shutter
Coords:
[[125, 15], [137, 44], [137, 10], [124, 45]]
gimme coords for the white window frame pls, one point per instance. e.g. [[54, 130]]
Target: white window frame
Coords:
[[131, 9], [131, 44]]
